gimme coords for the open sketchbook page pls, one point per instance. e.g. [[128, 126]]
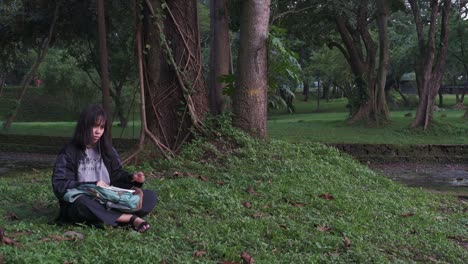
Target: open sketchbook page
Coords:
[[117, 189]]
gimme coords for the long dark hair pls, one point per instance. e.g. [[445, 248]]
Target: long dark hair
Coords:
[[91, 115]]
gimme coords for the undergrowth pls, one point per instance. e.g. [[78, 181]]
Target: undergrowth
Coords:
[[227, 196]]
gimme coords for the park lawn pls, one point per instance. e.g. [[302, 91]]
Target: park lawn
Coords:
[[277, 202], [66, 129]]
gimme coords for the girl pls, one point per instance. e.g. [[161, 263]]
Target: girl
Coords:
[[89, 158]]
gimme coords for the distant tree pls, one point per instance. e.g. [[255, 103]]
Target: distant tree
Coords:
[[42, 50], [219, 53], [250, 94], [431, 57]]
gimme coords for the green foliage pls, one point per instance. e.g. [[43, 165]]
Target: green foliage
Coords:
[[261, 198], [62, 77]]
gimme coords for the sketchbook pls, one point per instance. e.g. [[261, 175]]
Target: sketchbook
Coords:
[[117, 189]]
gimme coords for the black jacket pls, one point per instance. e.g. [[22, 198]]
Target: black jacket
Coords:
[[65, 174]]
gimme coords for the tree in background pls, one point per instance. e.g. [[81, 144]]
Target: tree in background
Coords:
[[430, 61], [44, 41], [250, 94], [175, 98], [220, 56]]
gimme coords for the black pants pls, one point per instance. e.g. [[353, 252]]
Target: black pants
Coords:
[[91, 212]]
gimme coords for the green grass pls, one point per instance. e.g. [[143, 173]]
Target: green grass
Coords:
[[202, 210], [66, 129], [328, 125]]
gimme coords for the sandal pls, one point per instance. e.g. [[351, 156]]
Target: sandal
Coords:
[[142, 227]]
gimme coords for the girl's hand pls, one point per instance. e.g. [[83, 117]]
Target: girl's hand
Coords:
[[139, 177], [101, 184]]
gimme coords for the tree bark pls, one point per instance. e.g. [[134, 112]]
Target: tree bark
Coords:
[[219, 54], [28, 77], [250, 95], [360, 51], [430, 62], [103, 62], [175, 96]]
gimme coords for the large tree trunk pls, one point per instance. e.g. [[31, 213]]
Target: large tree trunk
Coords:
[[219, 53], [430, 63], [360, 51], [103, 62], [250, 95], [28, 77], [175, 96]]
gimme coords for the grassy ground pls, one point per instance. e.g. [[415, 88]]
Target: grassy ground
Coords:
[[329, 126], [277, 202]]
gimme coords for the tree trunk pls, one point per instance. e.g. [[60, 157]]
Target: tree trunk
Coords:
[[28, 77], [219, 53], [360, 51], [2, 82], [175, 96], [103, 63], [306, 91], [250, 95], [429, 66]]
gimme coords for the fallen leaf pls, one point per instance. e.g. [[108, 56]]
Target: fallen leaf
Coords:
[[73, 235], [11, 216], [257, 215], [298, 204], [433, 259], [346, 242], [202, 178], [460, 240], [327, 196], [247, 205], [407, 215], [251, 190], [247, 258], [283, 226], [220, 182], [323, 228], [8, 241], [266, 206], [199, 253]]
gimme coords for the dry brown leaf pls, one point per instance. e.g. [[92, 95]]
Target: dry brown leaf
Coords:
[[12, 216], [407, 215], [460, 240], [251, 190], [346, 242], [8, 241], [257, 215], [220, 182], [247, 205], [203, 178], [298, 204], [199, 253], [247, 258], [323, 228], [266, 206], [327, 196]]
